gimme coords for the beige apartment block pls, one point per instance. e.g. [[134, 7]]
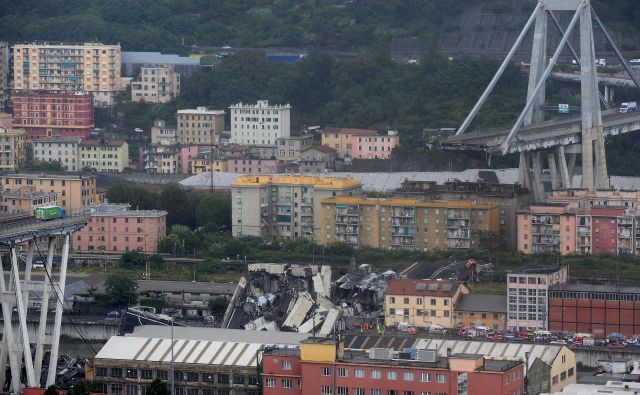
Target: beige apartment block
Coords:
[[201, 125], [284, 207], [105, 156], [157, 84], [12, 149], [406, 223], [91, 67], [73, 191]]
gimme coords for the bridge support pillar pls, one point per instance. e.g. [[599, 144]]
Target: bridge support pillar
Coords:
[[553, 170]]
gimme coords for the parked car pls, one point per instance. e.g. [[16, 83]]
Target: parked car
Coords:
[[138, 130], [114, 314]]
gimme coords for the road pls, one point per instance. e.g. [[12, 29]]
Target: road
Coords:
[[443, 268]]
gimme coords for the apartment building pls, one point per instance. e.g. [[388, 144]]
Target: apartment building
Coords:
[[290, 148], [284, 207], [323, 366], [422, 303], [12, 149], [596, 309], [105, 156], [161, 134], [25, 199], [156, 84], [510, 198], [528, 296], [406, 223], [204, 163], [259, 124], [360, 143], [252, 166], [313, 160], [73, 191], [64, 114], [592, 230], [200, 126], [168, 159], [60, 149], [90, 67], [5, 67], [116, 227]]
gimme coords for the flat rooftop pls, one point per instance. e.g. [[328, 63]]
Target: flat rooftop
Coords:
[[604, 288], [220, 335]]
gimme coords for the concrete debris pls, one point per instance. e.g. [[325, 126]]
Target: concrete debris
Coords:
[[303, 298], [301, 308], [363, 289]]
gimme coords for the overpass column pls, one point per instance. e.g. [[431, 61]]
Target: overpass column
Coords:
[[538, 187], [524, 176], [555, 178], [565, 180], [536, 71]]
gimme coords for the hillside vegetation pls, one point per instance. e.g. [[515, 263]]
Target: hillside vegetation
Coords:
[[163, 25]]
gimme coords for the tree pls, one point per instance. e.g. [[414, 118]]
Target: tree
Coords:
[[218, 306], [158, 387], [120, 290], [136, 195], [173, 199], [214, 209], [51, 390]]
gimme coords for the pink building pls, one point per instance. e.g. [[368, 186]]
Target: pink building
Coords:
[[117, 228], [377, 146], [252, 166], [187, 153]]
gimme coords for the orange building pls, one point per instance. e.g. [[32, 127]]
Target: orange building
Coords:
[[25, 199], [74, 191]]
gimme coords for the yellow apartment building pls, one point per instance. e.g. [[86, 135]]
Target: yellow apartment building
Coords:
[[204, 165], [91, 67], [406, 223], [422, 303], [73, 191], [105, 156], [200, 126], [284, 207], [12, 149], [157, 84]]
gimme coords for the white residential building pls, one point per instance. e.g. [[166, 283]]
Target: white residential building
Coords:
[[63, 150], [259, 124], [200, 126], [157, 84]]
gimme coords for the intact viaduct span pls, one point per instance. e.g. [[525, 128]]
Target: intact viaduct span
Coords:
[[549, 150]]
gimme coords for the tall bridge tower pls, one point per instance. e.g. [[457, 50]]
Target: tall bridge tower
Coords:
[[24, 236], [560, 156]]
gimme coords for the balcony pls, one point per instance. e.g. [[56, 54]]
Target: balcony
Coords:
[[456, 243]]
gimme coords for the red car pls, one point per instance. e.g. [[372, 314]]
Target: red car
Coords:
[[495, 336]]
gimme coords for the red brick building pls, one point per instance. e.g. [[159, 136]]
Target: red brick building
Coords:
[[321, 366], [68, 114], [596, 309], [605, 229]]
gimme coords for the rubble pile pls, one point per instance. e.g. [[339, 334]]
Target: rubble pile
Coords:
[[299, 298]]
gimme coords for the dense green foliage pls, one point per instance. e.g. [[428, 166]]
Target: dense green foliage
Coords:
[[189, 209], [167, 24], [120, 290]]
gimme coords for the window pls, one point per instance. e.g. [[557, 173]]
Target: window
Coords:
[[270, 382], [192, 376], [441, 378], [286, 365], [326, 390], [425, 377], [207, 378], [116, 389], [163, 375], [418, 300], [223, 378], [407, 376], [392, 375], [407, 393], [325, 371], [392, 299], [132, 373], [147, 374], [376, 391], [376, 374], [101, 372], [392, 392], [286, 383], [358, 373], [116, 372], [555, 379], [406, 300], [570, 372], [342, 391], [342, 372], [433, 302], [358, 391]]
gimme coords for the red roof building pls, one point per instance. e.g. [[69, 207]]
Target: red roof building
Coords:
[[68, 114]]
